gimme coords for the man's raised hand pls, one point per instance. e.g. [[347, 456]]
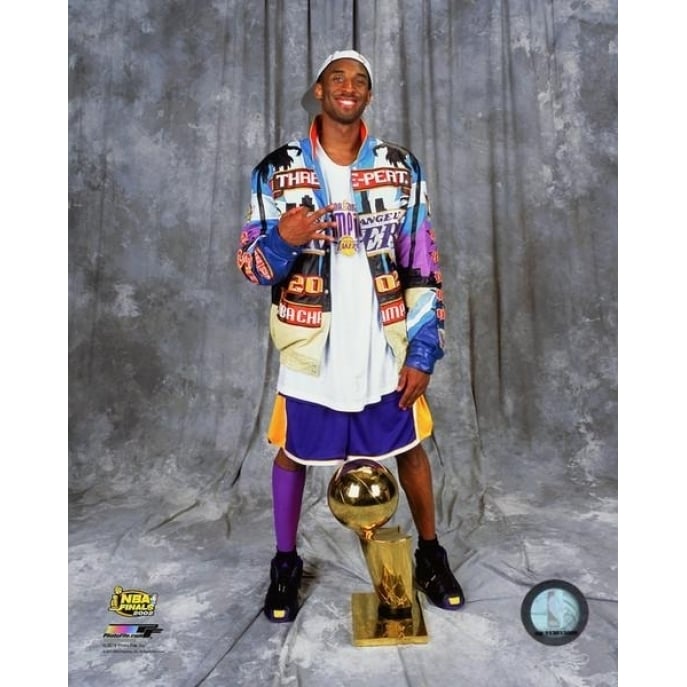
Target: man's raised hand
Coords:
[[301, 224]]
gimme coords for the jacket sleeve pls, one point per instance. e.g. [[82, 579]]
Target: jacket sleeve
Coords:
[[418, 262], [263, 256]]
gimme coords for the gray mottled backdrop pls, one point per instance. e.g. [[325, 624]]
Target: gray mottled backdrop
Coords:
[[511, 107]]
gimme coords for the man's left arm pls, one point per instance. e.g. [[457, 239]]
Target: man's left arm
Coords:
[[418, 266]]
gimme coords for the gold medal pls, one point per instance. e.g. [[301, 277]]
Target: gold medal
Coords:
[[347, 245]]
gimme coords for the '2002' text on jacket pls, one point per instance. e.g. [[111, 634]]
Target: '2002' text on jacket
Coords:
[[395, 231]]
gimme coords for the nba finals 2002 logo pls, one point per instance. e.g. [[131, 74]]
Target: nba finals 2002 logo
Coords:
[[132, 603]]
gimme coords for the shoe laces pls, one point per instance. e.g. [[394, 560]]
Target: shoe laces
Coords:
[[439, 570], [284, 575]]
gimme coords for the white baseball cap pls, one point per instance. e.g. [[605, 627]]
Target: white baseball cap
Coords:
[[308, 101]]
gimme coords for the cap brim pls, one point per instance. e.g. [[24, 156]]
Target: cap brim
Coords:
[[309, 102]]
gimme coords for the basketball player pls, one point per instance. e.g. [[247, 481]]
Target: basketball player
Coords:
[[339, 228]]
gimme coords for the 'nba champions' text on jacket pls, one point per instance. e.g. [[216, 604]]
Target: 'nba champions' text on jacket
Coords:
[[395, 232]]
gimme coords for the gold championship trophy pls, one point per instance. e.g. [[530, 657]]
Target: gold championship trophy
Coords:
[[363, 496]]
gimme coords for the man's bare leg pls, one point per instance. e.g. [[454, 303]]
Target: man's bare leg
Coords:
[[432, 571], [415, 475]]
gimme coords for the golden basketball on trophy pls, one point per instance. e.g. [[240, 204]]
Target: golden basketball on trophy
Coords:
[[363, 496]]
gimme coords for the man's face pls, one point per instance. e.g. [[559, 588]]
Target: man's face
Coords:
[[344, 91]]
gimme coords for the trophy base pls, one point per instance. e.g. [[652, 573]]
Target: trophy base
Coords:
[[371, 629]]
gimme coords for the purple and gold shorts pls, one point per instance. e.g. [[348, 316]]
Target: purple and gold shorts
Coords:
[[312, 434]]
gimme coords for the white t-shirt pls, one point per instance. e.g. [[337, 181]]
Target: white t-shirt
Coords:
[[358, 366]]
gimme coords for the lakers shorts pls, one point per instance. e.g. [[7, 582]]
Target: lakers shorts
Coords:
[[312, 434]]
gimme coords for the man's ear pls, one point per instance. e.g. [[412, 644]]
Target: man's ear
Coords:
[[317, 91]]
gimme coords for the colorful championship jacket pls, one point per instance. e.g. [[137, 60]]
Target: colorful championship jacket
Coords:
[[394, 229]]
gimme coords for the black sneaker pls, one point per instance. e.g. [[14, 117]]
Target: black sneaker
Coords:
[[433, 576], [281, 602]]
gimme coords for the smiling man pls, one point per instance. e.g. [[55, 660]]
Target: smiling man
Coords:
[[339, 228]]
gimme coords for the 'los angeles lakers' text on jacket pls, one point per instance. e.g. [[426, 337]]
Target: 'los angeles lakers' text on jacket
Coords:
[[394, 229]]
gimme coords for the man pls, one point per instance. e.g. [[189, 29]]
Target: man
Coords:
[[339, 228]]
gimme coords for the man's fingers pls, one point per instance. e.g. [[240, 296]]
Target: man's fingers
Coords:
[[316, 219], [406, 401], [313, 215], [413, 383], [323, 211], [302, 224], [406, 398], [320, 235]]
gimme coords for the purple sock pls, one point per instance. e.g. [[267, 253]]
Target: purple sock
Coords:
[[287, 496]]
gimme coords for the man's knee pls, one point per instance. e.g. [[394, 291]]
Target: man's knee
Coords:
[[285, 463], [412, 459]]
